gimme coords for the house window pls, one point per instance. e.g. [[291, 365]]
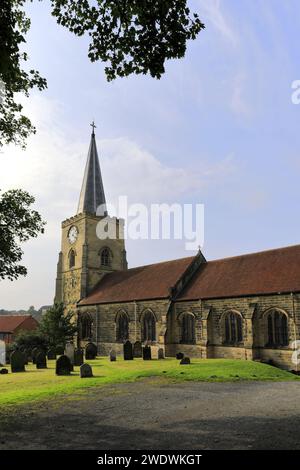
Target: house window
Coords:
[[148, 327], [86, 324], [277, 329], [105, 257], [233, 328], [122, 327], [72, 257], [188, 329]]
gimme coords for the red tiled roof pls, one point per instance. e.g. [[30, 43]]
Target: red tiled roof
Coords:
[[265, 272], [145, 282], [8, 323]]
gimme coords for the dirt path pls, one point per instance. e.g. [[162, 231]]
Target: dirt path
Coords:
[[145, 415]]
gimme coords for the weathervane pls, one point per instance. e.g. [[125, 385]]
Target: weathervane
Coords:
[[93, 125]]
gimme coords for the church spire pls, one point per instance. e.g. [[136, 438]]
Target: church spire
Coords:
[[92, 191]]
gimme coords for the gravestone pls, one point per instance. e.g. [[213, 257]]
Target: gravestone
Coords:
[[137, 349], [179, 356], [2, 353], [90, 351], [51, 354], [24, 351], [78, 357], [112, 356], [69, 351], [27, 353], [17, 361], [3, 371], [34, 353], [127, 351], [41, 360], [59, 350], [63, 366], [86, 371], [161, 353], [147, 353], [154, 352], [185, 360]]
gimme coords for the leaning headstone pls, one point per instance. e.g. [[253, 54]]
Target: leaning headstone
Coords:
[[147, 353], [17, 361], [185, 360], [3, 371], [112, 356], [86, 371], [69, 351], [41, 360], [179, 355], [161, 353], [90, 351], [63, 366], [78, 357], [51, 354], [137, 349], [127, 351]]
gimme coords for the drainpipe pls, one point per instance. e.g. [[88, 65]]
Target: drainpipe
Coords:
[[295, 330], [97, 320], [135, 314]]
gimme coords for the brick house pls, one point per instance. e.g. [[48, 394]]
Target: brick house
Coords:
[[10, 325]]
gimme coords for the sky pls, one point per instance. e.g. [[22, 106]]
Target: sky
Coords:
[[219, 128]]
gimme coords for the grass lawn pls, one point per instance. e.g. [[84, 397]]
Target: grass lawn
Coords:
[[36, 385]]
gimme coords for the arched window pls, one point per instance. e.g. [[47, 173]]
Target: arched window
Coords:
[[277, 329], [86, 324], [72, 257], [233, 328], [188, 329], [122, 327], [105, 257], [148, 327]]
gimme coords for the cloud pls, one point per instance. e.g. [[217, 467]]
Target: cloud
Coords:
[[238, 102], [52, 169], [213, 10]]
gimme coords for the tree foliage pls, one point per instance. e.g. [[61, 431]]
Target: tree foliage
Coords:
[[18, 223], [30, 339], [130, 36], [133, 36], [14, 126], [57, 327]]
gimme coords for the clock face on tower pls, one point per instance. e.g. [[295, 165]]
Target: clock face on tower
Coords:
[[73, 234]]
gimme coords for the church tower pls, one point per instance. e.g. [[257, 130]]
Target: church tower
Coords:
[[85, 258]]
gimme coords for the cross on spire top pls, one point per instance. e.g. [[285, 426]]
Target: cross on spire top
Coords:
[[93, 125]]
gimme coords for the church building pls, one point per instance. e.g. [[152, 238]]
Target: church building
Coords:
[[243, 307]]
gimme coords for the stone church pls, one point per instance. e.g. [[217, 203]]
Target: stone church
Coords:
[[243, 307]]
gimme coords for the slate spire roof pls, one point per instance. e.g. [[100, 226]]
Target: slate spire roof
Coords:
[[92, 190]]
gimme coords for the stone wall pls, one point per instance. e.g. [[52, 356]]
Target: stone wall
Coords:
[[104, 322], [209, 326]]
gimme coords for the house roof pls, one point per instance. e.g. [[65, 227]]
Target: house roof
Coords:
[[266, 272], [145, 282], [8, 323]]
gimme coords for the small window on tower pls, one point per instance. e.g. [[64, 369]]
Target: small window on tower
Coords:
[[72, 257], [105, 257]]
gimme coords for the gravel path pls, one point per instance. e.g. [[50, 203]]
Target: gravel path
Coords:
[[149, 415]]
